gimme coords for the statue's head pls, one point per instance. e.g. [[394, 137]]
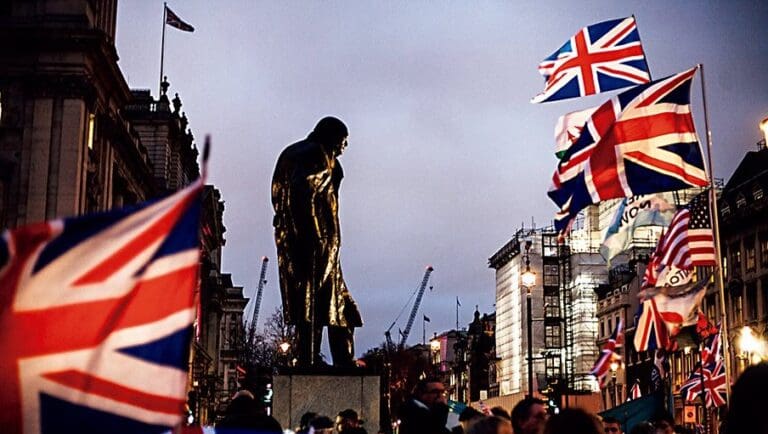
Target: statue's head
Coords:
[[331, 132]]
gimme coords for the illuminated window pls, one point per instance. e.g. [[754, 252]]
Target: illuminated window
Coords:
[[757, 192], [91, 129], [764, 249], [741, 201], [750, 258]]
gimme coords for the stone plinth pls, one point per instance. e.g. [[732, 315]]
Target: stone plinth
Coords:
[[326, 394]]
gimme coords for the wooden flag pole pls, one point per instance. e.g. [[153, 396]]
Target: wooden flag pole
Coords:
[[162, 49], [714, 217]]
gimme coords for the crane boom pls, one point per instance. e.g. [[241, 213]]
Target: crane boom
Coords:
[[257, 305], [416, 304]]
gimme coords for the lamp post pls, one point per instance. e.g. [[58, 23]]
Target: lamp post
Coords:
[[528, 279], [614, 368], [284, 347], [751, 346]]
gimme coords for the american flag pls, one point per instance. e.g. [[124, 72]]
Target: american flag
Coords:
[[689, 240], [95, 316], [600, 57], [714, 386], [609, 354], [640, 142]]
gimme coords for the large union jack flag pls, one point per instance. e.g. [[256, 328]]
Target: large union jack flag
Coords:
[[641, 141], [599, 58], [710, 380], [95, 316]]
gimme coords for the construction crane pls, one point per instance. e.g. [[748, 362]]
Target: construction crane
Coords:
[[257, 303], [419, 296]]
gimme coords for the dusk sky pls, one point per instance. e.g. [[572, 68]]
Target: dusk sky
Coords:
[[447, 157]]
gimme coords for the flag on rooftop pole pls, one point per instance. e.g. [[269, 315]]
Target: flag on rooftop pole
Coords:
[[173, 20], [598, 58], [426, 319], [609, 354], [87, 347], [641, 141], [632, 213]]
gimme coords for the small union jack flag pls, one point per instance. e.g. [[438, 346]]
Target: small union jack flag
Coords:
[[599, 58], [95, 316], [640, 142], [634, 392], [609, 354], [714, 386]]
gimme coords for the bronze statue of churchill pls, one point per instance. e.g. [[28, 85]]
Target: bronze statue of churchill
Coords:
[[305, 197]]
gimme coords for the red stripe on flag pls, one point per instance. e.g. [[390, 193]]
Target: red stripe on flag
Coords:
[[149, 301], [153, 233], [96, 386]]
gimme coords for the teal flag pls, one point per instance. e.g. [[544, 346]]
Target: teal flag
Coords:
[[638, 410], [634, 212]]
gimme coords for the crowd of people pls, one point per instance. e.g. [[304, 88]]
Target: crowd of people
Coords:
[[426, 412]]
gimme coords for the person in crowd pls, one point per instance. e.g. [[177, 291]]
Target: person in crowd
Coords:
[[643, 428], [500, 412], [321, 425], [306, 418], [467, 417], [529, 416], [664, 423], [491, 425], [748, 404], [573, 421], [611, 425], [426, 412], [243, 412], [348, 422]]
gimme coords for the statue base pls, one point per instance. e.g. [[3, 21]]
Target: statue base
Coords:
[[326, 391]]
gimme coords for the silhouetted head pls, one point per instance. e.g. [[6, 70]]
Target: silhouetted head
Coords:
[[529, 416], [430, 391], [331, 132], [573, 421], [746, 412]]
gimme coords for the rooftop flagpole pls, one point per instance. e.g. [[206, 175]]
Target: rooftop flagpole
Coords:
[[162, 48], [714, 217]]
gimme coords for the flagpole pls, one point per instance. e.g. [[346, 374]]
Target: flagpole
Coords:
[[162, 49], [714, 216], [457, 314], [423, 330], [703, 390]]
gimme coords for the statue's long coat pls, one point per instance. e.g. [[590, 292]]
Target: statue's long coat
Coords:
[[305, 188]]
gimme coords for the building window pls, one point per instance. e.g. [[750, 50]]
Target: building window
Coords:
[[711, 307], [750, 257], [725, 210], [741, 201], [764, 294], [757, 192], [725, 263], [610, 326], [91, 129], [764, 249], [751, 306], [602, 329], [737, 307], [735, 259]]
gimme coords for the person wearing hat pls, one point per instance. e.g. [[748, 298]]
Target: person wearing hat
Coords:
[[348, 422], [305, 198]]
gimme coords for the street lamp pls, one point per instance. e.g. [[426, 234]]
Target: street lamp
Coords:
[[751, 346], [528, 279], [434, 346], [614, 368]]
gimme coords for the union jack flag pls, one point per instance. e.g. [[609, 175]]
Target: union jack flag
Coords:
[[634, 392], [599, 58], [712, 376], [651, 332], [641, 141], [711, 352], [609, 354], [95, 316]]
